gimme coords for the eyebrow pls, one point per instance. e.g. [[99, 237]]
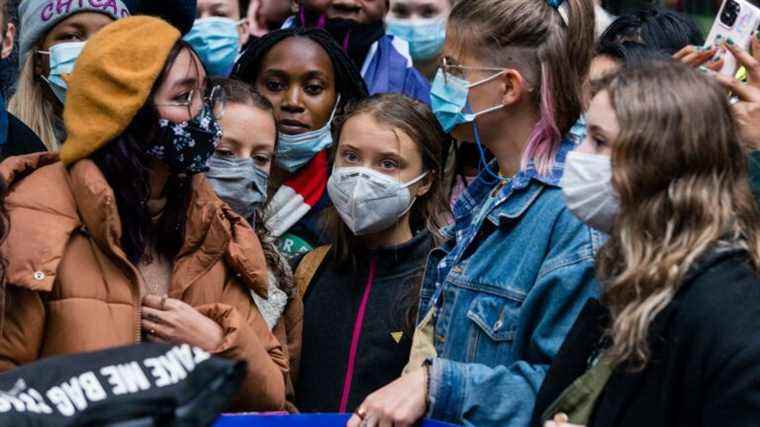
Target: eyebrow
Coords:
[[73, 24], [382, 154], [219, 6], [263, 146], [229, 140], [390, 154], [597, 129], [276, 71], [186, 81], [314, 74], [258, 145]]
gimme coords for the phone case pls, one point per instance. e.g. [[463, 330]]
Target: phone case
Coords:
[[737, 20]]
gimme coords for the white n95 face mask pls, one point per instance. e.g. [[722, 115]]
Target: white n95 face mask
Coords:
[[369, 201], [587, 187]]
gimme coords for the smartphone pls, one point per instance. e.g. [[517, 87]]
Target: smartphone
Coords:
[[737, 20]]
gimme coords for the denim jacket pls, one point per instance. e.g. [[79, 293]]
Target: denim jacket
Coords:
[[507, 285]]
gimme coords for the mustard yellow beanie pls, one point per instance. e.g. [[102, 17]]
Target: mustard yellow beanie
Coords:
[[112, 80]]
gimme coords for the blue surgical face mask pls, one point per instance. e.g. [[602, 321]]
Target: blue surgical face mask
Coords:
[[448, 97], [294, 151], [217, 42], [425, 37], [62, 58]]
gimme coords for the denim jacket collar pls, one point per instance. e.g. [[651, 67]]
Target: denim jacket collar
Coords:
[[518, 194]]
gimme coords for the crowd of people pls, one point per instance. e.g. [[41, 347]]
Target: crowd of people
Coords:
[[484, 212]]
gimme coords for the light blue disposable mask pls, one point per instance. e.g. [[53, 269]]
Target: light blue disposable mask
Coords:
[[239, 182], [217, 42], [62, 58], [425, 37], [448, 97], [294, 151]]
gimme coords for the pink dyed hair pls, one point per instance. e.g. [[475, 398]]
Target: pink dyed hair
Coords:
[[545, 138]]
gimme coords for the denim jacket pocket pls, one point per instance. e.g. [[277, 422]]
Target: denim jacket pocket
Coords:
[[494, 327]]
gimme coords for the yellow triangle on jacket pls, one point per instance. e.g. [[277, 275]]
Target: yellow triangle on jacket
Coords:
[[397, 336]]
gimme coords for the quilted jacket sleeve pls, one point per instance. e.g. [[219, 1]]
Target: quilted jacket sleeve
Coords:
[[247, 337]]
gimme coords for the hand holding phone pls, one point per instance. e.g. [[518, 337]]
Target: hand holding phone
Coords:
[[736, 24]]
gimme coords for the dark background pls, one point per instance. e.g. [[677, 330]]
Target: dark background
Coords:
[[695, 7], [703, 11]]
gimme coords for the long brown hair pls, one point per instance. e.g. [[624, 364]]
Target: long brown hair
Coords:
[[554, 57], [680, 172], [430, 211], [126, 168]]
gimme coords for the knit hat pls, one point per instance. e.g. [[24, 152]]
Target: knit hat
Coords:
[[37, 17], [112, 80]]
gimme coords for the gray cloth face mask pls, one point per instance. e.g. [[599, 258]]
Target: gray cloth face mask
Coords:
[[238, 182]]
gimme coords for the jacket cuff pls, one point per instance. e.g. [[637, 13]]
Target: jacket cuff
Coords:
[[226, 317], [264, 386], [446, 391]]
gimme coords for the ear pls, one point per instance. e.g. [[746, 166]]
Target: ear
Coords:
[[425, 184], [8, 39], [244, 31], [514, 86]]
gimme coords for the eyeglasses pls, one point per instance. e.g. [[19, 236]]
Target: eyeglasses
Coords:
[[460, 70], [194, 102]]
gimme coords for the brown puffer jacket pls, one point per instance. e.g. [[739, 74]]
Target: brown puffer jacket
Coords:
[[71, 288]]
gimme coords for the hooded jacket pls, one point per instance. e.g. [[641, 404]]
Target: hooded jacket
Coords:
[[72, 289]]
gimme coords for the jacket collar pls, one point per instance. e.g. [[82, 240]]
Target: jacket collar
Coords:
[[519, 192], [36, 203], [213, 231], [97, 207]]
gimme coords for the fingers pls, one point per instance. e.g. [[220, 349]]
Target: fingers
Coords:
[[701, 56], [153, 301], [156, 315], [154, 329], [155, 338], [163, 303], [354, 421], [755, 46], [687, 50], [157, 323], [744, 58], [744, 92], [370, 421], [716, 65]]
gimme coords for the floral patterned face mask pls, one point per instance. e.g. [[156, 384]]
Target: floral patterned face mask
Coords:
[[187, 146]]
